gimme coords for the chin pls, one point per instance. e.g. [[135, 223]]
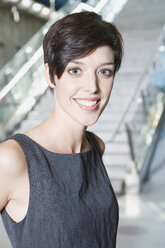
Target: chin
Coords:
[[89, 122]]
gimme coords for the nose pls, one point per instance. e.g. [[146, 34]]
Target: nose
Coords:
[[92, 83]]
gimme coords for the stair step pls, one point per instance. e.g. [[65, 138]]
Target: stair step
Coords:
[[107, 127], [116, 160], [118, 186], [107, 136], [117, 148], [117, 173]]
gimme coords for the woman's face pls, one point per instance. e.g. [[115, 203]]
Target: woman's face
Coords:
[[84, 88]]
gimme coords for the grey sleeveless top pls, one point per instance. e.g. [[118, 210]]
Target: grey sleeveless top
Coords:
[[72, 203]]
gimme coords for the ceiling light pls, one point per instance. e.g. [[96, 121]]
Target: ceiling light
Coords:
[[36, 7], [161, 48], [45, 11], [25, 4]]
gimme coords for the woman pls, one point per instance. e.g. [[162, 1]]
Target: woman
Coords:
[[54, 189]]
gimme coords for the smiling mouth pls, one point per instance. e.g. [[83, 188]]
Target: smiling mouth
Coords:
[[88, 104]]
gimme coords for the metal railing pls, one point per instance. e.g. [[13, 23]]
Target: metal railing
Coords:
[[22, 78], [142, 126], [149, 67]]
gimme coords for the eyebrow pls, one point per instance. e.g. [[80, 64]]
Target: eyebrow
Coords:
[[109, 63], [106, 63]]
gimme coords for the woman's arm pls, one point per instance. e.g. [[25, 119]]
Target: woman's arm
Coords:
[[11, 169]]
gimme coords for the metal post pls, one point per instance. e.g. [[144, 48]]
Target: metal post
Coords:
[[52, 5], [130, 141], [144, 103]]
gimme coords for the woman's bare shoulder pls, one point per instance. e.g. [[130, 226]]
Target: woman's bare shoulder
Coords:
[[11, 157], [12, 167]]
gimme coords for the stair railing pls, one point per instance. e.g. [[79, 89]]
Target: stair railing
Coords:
[[144, 122]]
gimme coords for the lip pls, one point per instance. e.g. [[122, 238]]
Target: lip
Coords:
[[88, 108], [88, 99]]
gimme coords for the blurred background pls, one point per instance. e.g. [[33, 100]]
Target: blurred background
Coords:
[[133, 124]]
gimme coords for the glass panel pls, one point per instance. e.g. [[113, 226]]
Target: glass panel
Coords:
[[150, 108], [31, 84]]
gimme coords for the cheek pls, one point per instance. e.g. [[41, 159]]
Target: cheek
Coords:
[[70, 89], [66, 90], [107, 89]]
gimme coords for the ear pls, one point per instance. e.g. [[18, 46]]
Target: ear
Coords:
[[47, 76]]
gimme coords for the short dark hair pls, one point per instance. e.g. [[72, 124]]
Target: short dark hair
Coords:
[[76, 35]]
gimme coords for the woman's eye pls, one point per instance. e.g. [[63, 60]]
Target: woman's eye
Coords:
[[106, 72], [74, 71]]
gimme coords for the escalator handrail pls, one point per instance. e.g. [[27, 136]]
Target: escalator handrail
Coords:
[[21, 73]]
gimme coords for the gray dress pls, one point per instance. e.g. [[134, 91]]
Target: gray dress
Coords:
[[72, 203]]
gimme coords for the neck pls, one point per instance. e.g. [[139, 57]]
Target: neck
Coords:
[[64, 136]]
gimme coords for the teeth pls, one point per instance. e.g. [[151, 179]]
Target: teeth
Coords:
[[86, 103]]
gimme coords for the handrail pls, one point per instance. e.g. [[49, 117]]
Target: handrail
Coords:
[[151, 153], [152, 128], [21, 72], [142, 131], [116, 8], [99, 6], [85, 6]]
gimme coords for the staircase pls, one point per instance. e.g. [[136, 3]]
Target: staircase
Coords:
[[140, 23]]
